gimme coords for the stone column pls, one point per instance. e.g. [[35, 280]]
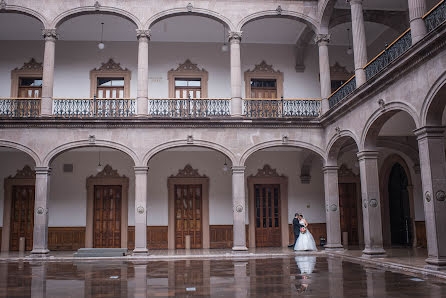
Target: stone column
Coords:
[[236, 74], [141, 210], [40, 233], [433, 178], [238, 207], [359, 41], [46, 105], [143, 72], [322, 41], [371, 205], [332, 214], [417, 9]]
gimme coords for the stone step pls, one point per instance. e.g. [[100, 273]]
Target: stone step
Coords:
[[100, 252]]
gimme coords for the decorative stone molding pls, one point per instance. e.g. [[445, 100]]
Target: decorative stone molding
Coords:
[[382, 104], [25, 173], [110, 69], [2, 5], [31, 69], [91, 139], [322, 38], [188, 70], [263, 71], [440, 196], [188, 172], [108, 172], [141, 33], [238, 208], [31, 65], [189, 7], [190, 139], [235, 35], [97, 6], [140, 209], [266, 171], [428, 196], [279, 10], [49, 34]]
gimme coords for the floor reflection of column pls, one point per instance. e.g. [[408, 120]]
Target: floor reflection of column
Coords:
[[124, 280], [88, 276], [38, 283], [252, 277], [140, 289], [335, 278], [376, 282], [206, 282], [171, 276], [242, 281]]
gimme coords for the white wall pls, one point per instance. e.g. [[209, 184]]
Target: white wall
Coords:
[[75, 59]]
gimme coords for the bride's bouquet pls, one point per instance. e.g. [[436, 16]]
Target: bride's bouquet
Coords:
[[303, 230]]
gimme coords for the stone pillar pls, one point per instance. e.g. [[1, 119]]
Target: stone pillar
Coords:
[[236, 74], [371, 205], [359, 41], [40, 233], [417, 9], [140, 210], [433, 178], [332, 214], [143, 72], [238, 207], [322, 41], [46, 105]]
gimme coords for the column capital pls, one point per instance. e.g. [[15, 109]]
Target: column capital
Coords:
[[354, 1], [143, 33], [43, 170], [362, 155], [322, 39], [429, 132], [327, 169], [140, 170], [50, 34], [235, 36], [238, 169]]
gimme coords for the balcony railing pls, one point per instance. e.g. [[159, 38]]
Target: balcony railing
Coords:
[[94, 107], [275, 108], [19, 107], [434, 18], [189, 108]]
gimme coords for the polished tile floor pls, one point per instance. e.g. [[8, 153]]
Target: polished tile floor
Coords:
[[253, 277]]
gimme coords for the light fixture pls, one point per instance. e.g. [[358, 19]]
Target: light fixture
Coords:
[[225, 166], [224, 47], [349, 50], [99, 166], [101, 45]]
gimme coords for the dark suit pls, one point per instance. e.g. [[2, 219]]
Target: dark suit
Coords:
[[296, 229]]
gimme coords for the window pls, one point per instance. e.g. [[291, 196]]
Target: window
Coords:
[[30, 87], [263, 88], [187, 88], [110, 80], [263, 82], [110, 88]]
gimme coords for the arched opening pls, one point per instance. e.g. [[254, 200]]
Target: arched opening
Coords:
[[399, 207]]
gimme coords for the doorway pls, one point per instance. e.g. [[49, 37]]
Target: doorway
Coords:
[[267, 215], [107, 216], [22, 216], [349, 211]]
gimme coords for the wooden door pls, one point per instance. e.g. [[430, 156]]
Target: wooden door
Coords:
[[188, 215], [349, 211], [267, 215], [107, 216], [22, 216], [263, 88]]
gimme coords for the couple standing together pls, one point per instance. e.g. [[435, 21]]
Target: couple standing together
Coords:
[[303, 240]]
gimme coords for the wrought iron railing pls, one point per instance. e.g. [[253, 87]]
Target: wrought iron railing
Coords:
[[94, 107], [274, 108], [19, 107], [434, 18], [189, 108]]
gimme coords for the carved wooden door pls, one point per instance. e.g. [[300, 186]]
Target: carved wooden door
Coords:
[[188, 215], [267, 214], [348, 211], [22, 216], [107, 216]]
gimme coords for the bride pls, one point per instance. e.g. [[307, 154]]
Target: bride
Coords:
[[305, 240]]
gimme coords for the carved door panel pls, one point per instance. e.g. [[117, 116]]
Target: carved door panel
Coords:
[[22, 216], [267, 215], [188, 215], [107, 216], [349, 211]]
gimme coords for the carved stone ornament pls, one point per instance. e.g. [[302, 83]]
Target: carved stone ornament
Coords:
[[25, 173], [31, 65], [140, 209], [188, 172], [333, 207], [188, 66], [190, 139], [321, 38], [373, 203], [279, 10], [91, 139], [49, 34], [440, 196], [235, 35], [428, 196], [365, 204], [267, 171], [3, 4], [284, 139], [108, 172], [141, 33], [263, 67], [381, 104], [97, 5], [40, 210], [344, 171], [337, 130], [239, 208], [111, 65], [189, 7]]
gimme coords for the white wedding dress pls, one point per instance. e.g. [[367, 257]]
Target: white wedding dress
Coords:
[[305, 240]]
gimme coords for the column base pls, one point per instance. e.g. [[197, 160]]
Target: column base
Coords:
[[239, 248], [333, 247], [374, 253], [436, 264], [39, 252], [140, 251]]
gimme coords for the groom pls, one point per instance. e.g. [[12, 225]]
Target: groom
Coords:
[[296, 228]]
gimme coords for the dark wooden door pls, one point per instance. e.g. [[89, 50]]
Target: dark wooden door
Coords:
[[22, 216], [348, 211], [188, 215], [107, 216], [267, 215]]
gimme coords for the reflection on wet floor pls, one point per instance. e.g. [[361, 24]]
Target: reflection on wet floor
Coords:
[[271, 277]]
